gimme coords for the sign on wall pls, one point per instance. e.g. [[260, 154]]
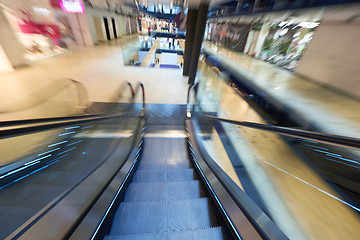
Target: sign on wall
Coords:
[[233, 36], [72, 6], [236, 36]]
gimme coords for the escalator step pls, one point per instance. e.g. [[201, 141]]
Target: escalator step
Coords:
[[214, 233], [169, 163], [163, 176], [163, 191], [162, 216]]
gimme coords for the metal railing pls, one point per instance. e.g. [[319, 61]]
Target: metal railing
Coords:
[[332, 139]]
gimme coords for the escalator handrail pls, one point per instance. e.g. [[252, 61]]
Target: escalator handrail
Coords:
[[38, 125], [332, 139], [40, 120], [81, 90], [51, 119], [259, 220]]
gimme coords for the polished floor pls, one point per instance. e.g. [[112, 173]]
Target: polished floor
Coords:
[[98, 67]]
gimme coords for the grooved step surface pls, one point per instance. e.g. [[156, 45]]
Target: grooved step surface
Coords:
[[164, 153], [163, 175], [163, 191], [172, 163], [165, 114], [165, 150], [164, 199], [162, 216], [193, 234]]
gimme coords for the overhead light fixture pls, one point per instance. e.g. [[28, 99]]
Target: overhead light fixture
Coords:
[[313, 25], [283, 32], [289, 23], [42, 11], [308, 24], [282, 23]]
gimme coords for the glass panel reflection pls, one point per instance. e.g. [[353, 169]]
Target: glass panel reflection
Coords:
[[309, 189]]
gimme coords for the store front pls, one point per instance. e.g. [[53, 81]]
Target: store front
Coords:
[[66, 13], [280, 43], [286, 42], [133, 25], [43, 28], [146, 23]]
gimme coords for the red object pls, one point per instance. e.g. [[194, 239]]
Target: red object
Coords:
[[222, 33], [28, 26], [55, 3], [50, 30]]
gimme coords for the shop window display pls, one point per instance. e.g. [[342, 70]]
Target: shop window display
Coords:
[[36, 28], [283, 43]]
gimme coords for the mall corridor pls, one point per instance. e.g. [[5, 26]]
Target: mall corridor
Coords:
[[179, 120]]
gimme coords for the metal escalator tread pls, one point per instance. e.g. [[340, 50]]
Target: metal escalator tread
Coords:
[[163, 191], [162, 216], [149, 165], [176, 175], [213, 233], [165, 199]]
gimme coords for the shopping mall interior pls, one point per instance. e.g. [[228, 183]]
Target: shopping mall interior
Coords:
[[179, 119]]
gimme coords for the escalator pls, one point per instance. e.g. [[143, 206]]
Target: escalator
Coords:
[[165, 193], [165, 199], [46, 160], [147, 171]]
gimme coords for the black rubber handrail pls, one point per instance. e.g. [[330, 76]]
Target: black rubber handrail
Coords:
[[37, 125], [332, 139], [41, 120], [82, 92], [8, 132], [259, 220]]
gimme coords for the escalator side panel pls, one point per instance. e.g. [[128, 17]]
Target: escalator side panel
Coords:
[[239, 222]]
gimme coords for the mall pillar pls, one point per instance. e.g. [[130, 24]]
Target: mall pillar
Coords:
[[198, 39], [189, 40]]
